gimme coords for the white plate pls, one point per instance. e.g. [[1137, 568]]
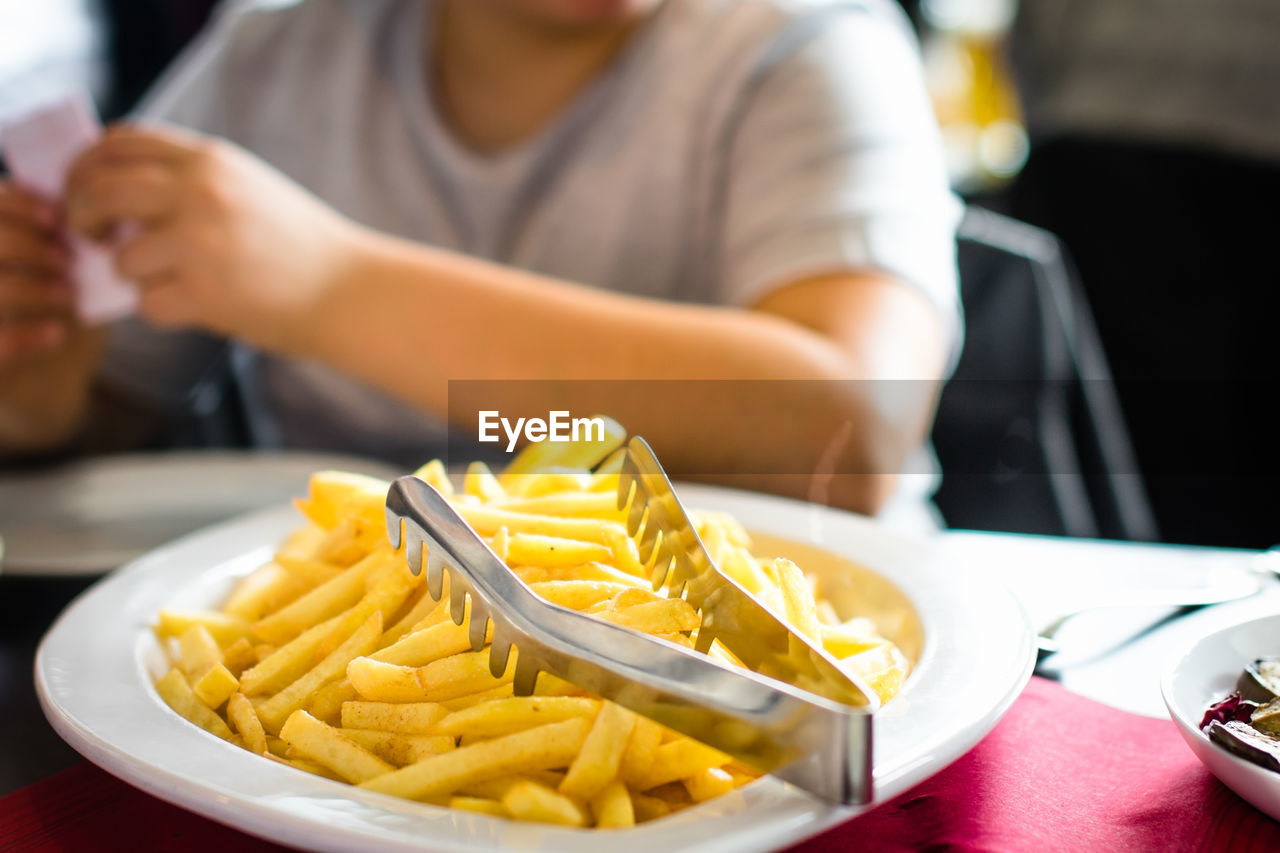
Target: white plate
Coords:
[[95, 667], [91, 516], [1206, 673]]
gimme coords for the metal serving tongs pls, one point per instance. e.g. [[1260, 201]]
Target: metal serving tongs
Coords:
[[817, 738]]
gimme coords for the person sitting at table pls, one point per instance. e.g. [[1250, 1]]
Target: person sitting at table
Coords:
[[357, 202]]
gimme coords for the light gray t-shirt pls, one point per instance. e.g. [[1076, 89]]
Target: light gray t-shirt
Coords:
[[733, 147]]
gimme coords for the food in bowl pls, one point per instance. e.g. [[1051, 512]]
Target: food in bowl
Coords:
[[334, 659], [1247, 722]]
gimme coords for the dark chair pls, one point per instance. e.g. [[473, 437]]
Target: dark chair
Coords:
[[1029, 431]]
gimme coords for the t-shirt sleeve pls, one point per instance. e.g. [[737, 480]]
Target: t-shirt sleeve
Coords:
[[835, 163]]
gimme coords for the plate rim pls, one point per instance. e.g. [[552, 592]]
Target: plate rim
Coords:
[[267, 819]]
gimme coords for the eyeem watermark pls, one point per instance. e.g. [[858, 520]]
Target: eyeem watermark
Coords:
[[558, 427]]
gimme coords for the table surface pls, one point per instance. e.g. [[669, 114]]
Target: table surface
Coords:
[[1115, 656]]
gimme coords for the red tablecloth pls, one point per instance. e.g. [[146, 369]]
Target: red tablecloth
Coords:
[[1060, 772]]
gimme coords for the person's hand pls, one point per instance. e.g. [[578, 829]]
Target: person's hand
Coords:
[[37, 312], [222, 242]]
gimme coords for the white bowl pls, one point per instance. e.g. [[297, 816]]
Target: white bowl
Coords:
[[1206, 673], [970, 640]]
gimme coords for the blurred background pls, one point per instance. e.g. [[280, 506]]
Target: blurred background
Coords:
[[1121, 162]]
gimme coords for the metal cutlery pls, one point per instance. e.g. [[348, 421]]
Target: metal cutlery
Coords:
[[817, 738]]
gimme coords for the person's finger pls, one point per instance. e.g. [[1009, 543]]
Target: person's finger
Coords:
[[24, 294], [101, 197], [162, 146], [21, 208], [151, 255], [24, 250], [27, 335]]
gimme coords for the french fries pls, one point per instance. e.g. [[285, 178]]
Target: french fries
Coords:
[[333, 659]]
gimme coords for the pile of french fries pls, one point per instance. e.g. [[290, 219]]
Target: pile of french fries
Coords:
[[333, 659]]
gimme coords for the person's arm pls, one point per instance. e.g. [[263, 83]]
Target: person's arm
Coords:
[[232, 246], [409, 319]]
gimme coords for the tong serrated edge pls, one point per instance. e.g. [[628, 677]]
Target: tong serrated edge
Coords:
[[667, 537]]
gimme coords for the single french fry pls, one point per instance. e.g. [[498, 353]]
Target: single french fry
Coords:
[[578, 595], [277, 709], [674, 794], [197, 651], [328, 746], [399, 749], [545, 483], [403, 718], [435, 474], [499, 542], [573, 504], [307, 570], [385, 598], [504, 716], [386, 682], [349, 542], [531, 549], [597, 764], [176, 692], [676, 638], [708, 784], [634, 597], [262, 592], [883, 668], [648, 808], [448, 678], [494, 789], [303, 542], [326, 703], [797, 599], [531, 574], [225, 629], [605, 478], [666, 616], [486, 520], [626, 556], [430, 644], [593, 572], [502, 691], [542, 748], [641, 750], [425, 612], [679, 759], [843, 641], [329, 492], [306, 765], [241, 715], [239, 656], [527, 800], [739, 564], [480, 805], [551, 685], [479, 481], [287, 663], [612, 807], [328, 599], [215, 686]]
